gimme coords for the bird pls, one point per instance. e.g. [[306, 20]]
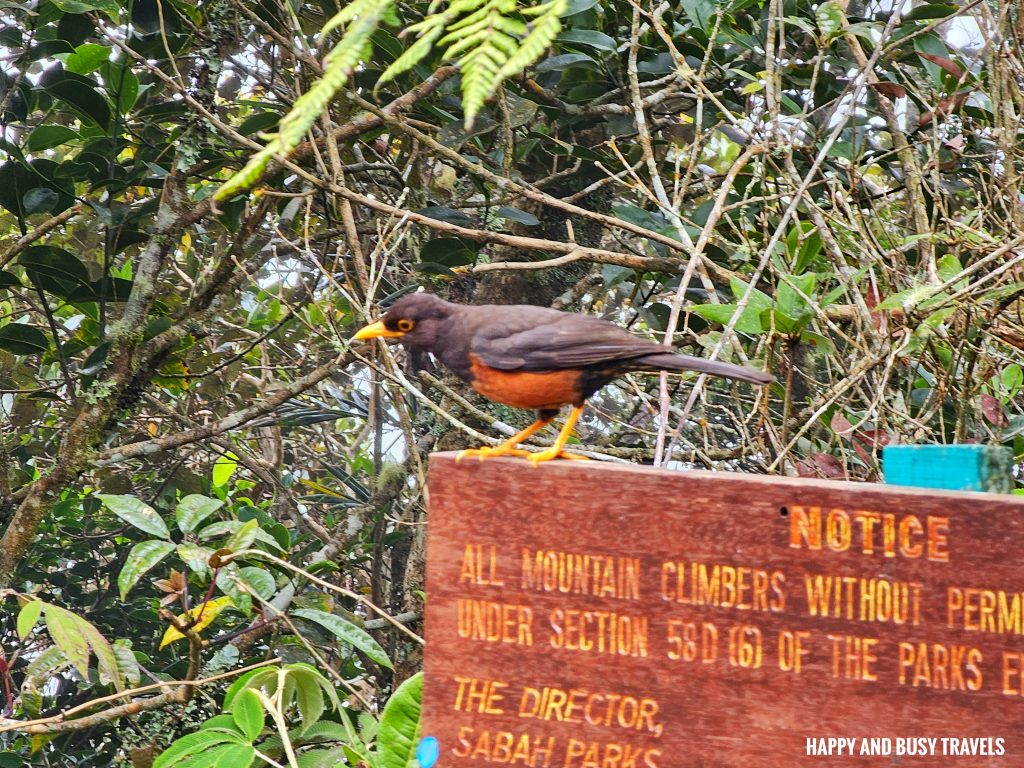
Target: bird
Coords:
[[532, 357]]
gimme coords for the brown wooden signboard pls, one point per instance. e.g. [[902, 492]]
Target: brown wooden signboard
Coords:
[[584, 615]]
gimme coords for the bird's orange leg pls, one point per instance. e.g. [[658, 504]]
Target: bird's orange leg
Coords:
[[555, 451], [508, 448]]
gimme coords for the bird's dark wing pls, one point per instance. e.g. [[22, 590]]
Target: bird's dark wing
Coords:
[[561, 341]]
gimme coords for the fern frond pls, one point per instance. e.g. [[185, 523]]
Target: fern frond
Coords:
[[363, 17], [543, 31]]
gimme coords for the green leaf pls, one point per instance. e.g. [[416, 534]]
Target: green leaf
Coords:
[[749, 322], [259, 122], [577, 6], [136, 512], [39, 200], [48, 137], [309, 698], [63, 627], [949, 267], [243, 537], [788, 301], [108, 7], [193, 743], [28, 617], [237, 756], [196, 557], [84, 100], [193, 509], [259, 580], [522, 217], [700, 12], [830, 18], [399, 731], [324, 758], [347, 632], [566, 60], [248, 714], [930, 11], [590, 37], [88, 57], [1012, 379], [448, 251], [223, 468], [127, 665], [142, 557], [58, 271], [21, 339]]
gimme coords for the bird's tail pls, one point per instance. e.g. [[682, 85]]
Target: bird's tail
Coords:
[[669, 361]]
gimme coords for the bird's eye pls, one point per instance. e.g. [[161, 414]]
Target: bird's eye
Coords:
[[406, 325]]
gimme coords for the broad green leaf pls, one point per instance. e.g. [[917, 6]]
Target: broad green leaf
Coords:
[[522, 217], [236, 756], [700, 12], [949, 267], [108, 7], [99, 645], [324, 758], [193, 509], [57, 270], [28, 617], [399, 732], [127, 665], [49, 136], [248, 714], [75, 637], [88, 57], [206, 614], [84, 100], [196, 557], [63, 628], [137, 513], [789, 302], [21, 339], [347, 632], [749, 321], [264, 678], [223, 468], [222, 527], [830, 18], [1012, 379], [243, 537], [590, 37], [309, 698], [142, 557], [193, 743], [300, 675], [257, 581]]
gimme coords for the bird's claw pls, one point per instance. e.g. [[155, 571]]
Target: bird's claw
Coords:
[[487, 452], [553, 453]]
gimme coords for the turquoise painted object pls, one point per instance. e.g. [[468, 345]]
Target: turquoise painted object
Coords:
[[427, 752], [950, 467]]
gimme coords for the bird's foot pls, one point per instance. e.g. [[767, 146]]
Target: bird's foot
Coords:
[[554, 453], [487, 452]]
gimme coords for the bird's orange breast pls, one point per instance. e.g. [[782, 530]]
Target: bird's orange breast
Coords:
[[526, 389]]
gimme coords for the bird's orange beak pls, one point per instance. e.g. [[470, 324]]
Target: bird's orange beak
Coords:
[[376, 331]]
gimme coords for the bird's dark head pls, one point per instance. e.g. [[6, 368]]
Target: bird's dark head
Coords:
[[416, 319]]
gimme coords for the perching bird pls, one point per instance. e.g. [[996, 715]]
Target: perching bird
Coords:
[[532, 357]]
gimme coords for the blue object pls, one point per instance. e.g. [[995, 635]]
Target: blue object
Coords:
[[950, 467], [427, 752]]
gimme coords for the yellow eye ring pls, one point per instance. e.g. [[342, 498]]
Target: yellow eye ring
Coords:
[[406, 325]]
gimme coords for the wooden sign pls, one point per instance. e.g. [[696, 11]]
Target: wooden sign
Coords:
[[586, 615]]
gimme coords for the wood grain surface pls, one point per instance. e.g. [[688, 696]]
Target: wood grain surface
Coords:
[[586, 615]]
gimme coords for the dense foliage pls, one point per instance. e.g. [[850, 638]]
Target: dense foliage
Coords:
[[212, 503]]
